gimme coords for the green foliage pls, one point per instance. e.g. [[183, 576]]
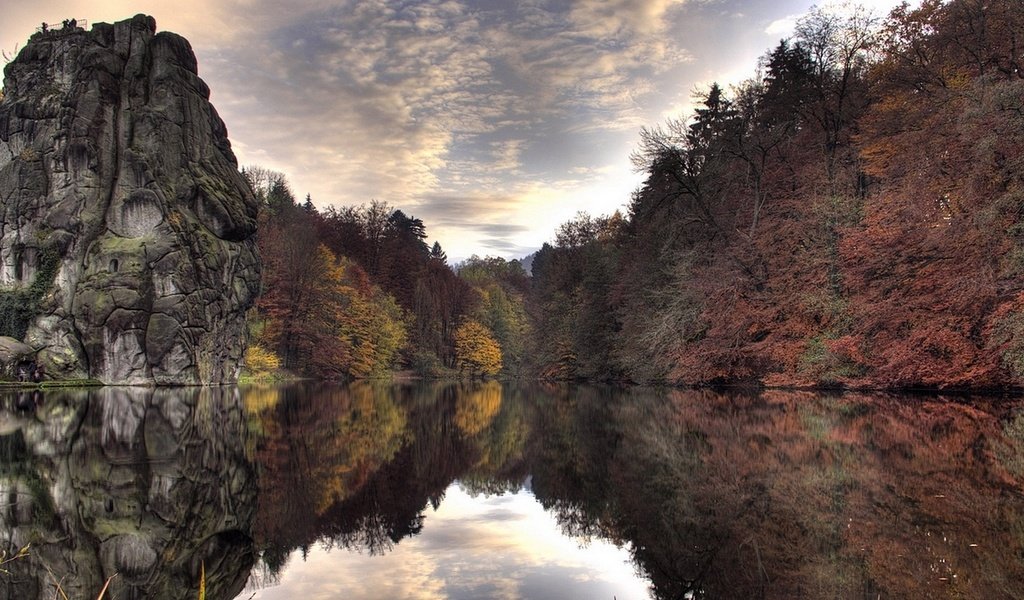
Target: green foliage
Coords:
[[426, 364], [822, 365], [659, 321], [19, 306], [499, 286], [573, 301]]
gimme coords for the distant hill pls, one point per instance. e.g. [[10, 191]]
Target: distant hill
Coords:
[[527, 263]]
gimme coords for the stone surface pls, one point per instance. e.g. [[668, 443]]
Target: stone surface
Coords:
[[13, 354], [112, 157]]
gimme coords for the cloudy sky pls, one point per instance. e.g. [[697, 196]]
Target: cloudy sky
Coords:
[[492, 120]]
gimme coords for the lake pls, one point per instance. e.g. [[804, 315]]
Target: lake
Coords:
[[488, 490]]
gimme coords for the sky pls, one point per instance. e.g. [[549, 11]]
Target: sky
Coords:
[[492, 121]]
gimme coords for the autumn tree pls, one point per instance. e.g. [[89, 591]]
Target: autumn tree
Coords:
[[372, 324], [935, 268], [320, 312], [501, 287], [799, 228], [302, 303], [476, 351]]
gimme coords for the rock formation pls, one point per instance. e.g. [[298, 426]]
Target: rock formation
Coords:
[[126, 232]]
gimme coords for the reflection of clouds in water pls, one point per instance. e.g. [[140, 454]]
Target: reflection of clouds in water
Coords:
[[499, 515], [485, 547], [342, 574]]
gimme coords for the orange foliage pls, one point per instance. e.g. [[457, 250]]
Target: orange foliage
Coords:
[[852, 224]]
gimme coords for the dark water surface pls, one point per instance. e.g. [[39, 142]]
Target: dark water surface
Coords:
[[447, 490]]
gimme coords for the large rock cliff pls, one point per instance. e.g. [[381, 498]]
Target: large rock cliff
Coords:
[[126, 232]]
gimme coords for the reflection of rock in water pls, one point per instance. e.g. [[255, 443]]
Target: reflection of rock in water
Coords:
[[144, 483]]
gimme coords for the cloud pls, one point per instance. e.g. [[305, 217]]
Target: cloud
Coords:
[[469, 209], [620, 18], [783, 27], [465, 112], [405, 102]]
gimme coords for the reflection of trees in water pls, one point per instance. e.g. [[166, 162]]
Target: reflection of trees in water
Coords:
[[500, 464], [772, 495], [786, 495], [318, 444], [575, 435], [476, 407], [144, 483], [356, 466]]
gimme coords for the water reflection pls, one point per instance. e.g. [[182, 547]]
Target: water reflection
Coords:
[[150, 485], [774, 495], [355, 466], [487, 490], [784, 495]]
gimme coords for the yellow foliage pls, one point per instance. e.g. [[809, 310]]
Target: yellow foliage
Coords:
[[476, 350], [367, 434], [261, 399], [371, 324], [260, 361], [476, 408]]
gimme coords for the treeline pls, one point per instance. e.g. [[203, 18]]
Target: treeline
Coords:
[[850, 215], [357, 292]]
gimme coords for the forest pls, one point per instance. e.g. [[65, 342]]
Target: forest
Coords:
[[356, 293], [849, 216]]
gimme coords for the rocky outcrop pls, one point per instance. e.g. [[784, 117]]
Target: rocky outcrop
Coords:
[[126, 232], [15, 358]]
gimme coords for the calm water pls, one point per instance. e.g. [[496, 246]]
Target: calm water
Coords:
[[491, 491]]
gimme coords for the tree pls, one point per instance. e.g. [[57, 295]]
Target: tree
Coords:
[[440, 300], [301, 302], [934, 269], [476, 351], [837, 41], [436, 253], [372, 325], [261, 180], [686, 161], [501, 287]]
